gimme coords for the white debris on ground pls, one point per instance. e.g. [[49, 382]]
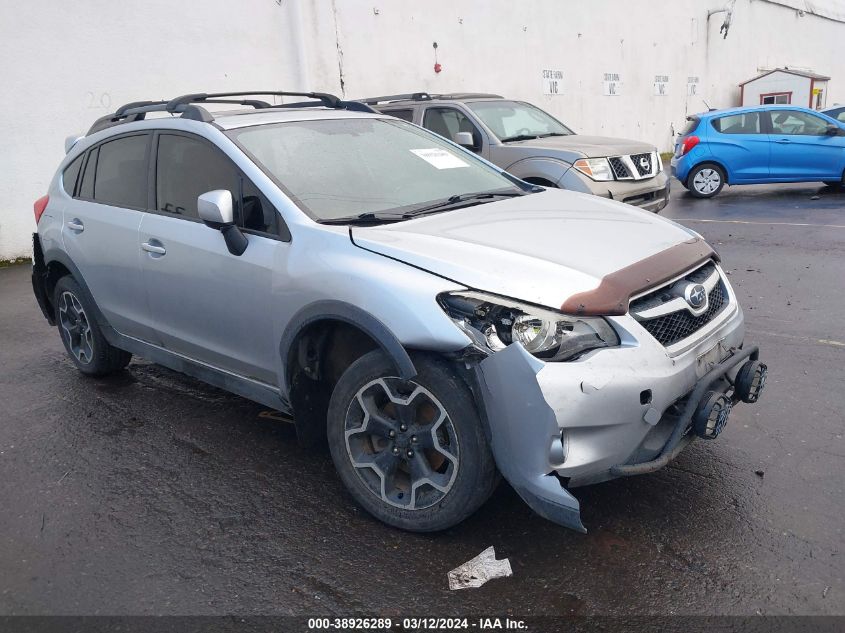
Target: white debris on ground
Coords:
[[479, 570]]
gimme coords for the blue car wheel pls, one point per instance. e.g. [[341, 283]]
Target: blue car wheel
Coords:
[[706, 180]]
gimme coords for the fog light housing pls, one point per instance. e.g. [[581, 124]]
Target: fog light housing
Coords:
[[711, 416], [750, 380]]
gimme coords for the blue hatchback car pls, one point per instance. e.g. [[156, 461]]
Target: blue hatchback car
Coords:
[[755, 145]]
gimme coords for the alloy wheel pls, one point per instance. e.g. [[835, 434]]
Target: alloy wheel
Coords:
[[402, 443], [75, 328]]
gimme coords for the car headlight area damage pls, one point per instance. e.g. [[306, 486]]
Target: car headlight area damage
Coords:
[[572, 400], [493, 323]]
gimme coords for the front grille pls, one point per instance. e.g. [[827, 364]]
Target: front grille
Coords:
[[619, 168], [671, 328], [675, 326], [643, 163]]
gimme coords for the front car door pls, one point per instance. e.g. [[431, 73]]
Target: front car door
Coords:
[[447, 121], [208, 304], [100, 229], [739, 142], [802, 149]]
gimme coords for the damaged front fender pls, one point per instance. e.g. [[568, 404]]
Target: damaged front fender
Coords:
[[523, 430]]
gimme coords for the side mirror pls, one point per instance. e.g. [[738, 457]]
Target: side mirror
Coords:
[[464, 139], [215, 208]]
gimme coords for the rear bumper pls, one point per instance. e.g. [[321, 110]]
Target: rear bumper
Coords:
[[39, 280], [617, 412]]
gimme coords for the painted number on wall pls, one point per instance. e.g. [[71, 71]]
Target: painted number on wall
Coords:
[[692, 86], [661, 85], [98, 100], [552, 82], [612, 85]]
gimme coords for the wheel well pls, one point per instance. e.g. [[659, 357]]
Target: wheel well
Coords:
[[317, 358], [710, 162], [536, 180], [55, 271]]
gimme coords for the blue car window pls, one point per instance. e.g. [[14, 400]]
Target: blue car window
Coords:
[[745, 123], [794, 122]]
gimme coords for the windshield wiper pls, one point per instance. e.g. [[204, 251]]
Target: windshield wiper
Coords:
[[520, 137], [462, 200], [364, 218], [552, 134]]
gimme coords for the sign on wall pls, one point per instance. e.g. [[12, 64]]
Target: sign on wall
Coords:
[[612, 85], [552, 82], [661, 85], [692, 86]]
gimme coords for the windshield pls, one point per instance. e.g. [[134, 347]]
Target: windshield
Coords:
[[342, 168], [514, 120]]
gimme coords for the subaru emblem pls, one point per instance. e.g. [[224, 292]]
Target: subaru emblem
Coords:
[[696, 296]]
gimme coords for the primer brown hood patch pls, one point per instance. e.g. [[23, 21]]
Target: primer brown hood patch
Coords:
[[611, 296]]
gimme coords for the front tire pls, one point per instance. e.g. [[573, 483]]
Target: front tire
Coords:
[[706, 180], [411, 452], [83, 340]]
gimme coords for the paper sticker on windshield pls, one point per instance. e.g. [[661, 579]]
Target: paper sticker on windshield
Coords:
[[439, 158]]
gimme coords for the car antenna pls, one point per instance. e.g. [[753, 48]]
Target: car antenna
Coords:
[[707, 105]]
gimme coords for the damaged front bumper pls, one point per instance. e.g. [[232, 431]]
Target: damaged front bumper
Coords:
[[614, 413]]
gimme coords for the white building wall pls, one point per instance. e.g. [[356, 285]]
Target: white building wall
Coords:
[[778, 82], [65, 64]]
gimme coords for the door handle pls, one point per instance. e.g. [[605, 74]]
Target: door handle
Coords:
[[783, 141], [153, 248], [76, 225]]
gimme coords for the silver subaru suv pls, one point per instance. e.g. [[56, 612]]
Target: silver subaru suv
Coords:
[[436, 320]]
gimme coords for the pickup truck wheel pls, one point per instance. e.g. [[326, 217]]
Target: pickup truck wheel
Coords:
[[411, 452], [84, 342], [706, 180]]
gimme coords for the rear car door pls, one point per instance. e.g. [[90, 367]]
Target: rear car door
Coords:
[[739, 142], [802, 149], [208, 304], [100, 230]]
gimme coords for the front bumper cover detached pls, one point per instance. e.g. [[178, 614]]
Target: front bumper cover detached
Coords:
[[524, 429]]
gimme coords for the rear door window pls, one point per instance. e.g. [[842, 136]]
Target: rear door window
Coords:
[[404, 114], [745, 123], [71, 173], [121, 175], [86, 187]]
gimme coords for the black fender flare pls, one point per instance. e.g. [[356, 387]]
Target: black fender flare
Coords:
[[56, 255], [333, 310]]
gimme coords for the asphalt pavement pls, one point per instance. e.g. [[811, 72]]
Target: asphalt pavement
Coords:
[[152, 493]]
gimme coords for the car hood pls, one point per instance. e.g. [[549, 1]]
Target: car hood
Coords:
[[540, 248], [589, 146]]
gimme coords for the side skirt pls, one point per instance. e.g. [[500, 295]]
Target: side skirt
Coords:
[[254, 390]]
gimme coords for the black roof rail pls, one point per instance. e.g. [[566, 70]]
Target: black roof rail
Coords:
[[424, 96], [190, 106], [412, 96]]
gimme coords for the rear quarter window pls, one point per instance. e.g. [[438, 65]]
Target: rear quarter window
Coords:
[[71, 173]]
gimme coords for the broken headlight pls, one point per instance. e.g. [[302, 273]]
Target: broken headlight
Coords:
[[494, 322]]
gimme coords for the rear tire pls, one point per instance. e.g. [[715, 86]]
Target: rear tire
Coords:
[[411, 452], [83, 340], [705, 180]]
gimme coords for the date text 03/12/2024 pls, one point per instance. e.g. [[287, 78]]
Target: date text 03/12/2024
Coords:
[[416, 624]]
